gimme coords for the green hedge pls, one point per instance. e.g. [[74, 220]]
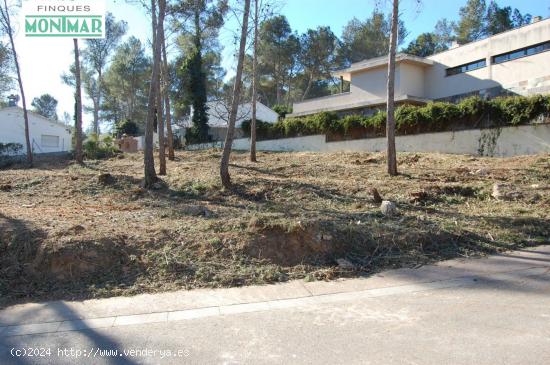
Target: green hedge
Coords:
[[95, 148], [471, 112]]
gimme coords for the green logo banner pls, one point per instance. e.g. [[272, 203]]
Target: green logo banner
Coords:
[[58, 18]]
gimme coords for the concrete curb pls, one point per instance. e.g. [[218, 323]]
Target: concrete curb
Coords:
[[258, 306]]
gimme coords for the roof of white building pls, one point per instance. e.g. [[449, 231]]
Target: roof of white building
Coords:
[[36, 115], [421, 61], [382, 61], [218, 113]]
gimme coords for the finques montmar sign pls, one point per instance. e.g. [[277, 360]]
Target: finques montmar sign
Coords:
[[64, 18]]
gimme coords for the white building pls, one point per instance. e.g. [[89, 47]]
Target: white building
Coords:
[[47, 136], [512, 62], [218, 114], [218, 118]]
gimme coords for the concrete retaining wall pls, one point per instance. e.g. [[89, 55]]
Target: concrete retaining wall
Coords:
[[502, 142]]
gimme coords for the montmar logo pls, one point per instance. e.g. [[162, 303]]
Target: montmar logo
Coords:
[[64, 18]]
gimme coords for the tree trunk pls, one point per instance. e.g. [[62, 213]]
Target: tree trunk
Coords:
[[279, 92], [390, 125], [95, 101], [254, 86], [310, 81], [149, 158], [78, 122], [160, 118], [224, 165], [97, 105], [166, 96], [9, 29]]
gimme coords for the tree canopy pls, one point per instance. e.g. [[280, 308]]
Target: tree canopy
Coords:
[[46, 106]]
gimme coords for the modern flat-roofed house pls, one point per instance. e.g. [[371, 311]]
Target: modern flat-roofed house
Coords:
[[513, 62], [47, 136]]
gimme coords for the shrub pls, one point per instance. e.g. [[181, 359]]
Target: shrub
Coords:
[[438, 112], [263, 129], [376, 121], [282, 110], [519, 109], [473, 106], [298, 126], [96, 149], [127, 127], [432, 116], [352, 122], [323, 122], [408, 116], [10, 149]]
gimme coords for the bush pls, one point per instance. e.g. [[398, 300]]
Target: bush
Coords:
[[263, 129], [127, 127], [10, 149], [352, 122], [282, 110], [324, 122], [407, 116], [473, 106], [96, 149], [519, 109], [434, 116]]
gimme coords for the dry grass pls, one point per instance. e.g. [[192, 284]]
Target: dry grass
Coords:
[[65, 233]]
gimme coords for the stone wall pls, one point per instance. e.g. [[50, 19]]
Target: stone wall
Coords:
[[501, 142]]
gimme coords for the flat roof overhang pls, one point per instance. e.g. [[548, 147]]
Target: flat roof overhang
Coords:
[[365, 104], [381, 62]]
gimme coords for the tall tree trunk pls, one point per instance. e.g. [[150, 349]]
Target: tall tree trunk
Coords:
[[149, 158], [309, 82], [7, 21], [390, 125], [254, 85], [97, 105], [160, 120], [78, 122], [166, 96], [224, 165], [95, 126], [160, 106], [279, 91]]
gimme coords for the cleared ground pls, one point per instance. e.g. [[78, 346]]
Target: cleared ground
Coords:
[[73, 232]]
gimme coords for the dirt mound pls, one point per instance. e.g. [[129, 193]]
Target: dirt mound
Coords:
[[292, 244], [82, 259]]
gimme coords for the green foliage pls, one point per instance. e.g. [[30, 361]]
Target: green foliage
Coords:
[[282, 110], [96, 149], [262, 128], [426, 44], [127, 127], [193, 83], [435, 116], [473, 106], [126, 84], [10, 149], [369, 38], [6, 68], [518, 109], [479, 20], [46, 106], [278, 51]]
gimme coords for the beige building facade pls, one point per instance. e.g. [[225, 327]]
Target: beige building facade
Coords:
[[513, 62]]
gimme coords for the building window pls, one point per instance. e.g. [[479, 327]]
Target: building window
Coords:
[[50, 141], [466, 67], [524, 52]]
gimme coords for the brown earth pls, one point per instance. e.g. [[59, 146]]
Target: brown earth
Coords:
[[77, 232]]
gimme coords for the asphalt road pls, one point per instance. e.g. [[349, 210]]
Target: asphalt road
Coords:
[[493, 318]]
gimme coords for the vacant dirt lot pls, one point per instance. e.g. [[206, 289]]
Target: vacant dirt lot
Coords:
[[73, 232]]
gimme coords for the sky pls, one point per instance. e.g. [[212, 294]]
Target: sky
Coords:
[[43, 60]]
